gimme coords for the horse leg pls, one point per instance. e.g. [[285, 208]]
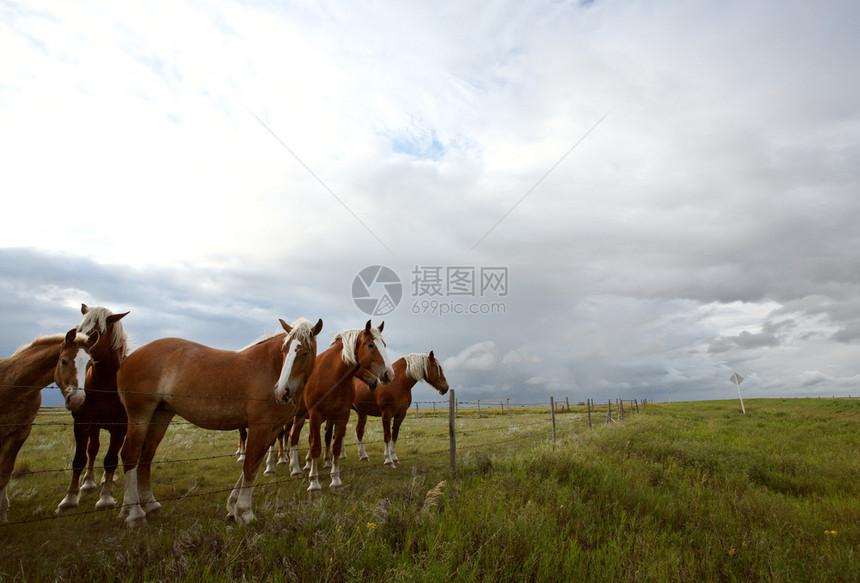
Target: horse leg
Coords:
[[295, 432], [339, 431], [260, 438], [9, 448], [282, 447], [78, 462], [395, 431], [359, 435], [271, 460], [117, 435], [329, 427], [386, 432], [154, 434], [88, 481], [243, 437], [314, 451], [139, 416]]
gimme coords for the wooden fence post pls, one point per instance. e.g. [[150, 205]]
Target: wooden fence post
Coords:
[[620, 409], [552, 409], [636, 404], [452, 436], [609, 411], [567, 404], [508, 401], [588, 407], [479, 408], [434, 408]]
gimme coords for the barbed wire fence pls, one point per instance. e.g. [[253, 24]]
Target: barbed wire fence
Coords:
[[455, 410]]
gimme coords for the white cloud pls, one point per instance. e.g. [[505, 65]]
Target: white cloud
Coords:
[[708, 222]]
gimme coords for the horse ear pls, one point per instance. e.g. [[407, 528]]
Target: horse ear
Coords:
[[367, 327], [381, 326], [70, 335], [318, 328], [285, 326], [431, 356], [84, 309], [116, 317]]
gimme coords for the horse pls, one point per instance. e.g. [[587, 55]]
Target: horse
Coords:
[[59, 359], [258, 387], [358, 353], [101, 409], [392, 401]]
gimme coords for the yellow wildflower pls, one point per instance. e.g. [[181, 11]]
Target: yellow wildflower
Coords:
[[371, 525], [731, 552]]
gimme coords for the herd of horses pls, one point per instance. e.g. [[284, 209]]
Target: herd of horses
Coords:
[[266, 391]]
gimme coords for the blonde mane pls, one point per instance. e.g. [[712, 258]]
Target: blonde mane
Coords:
[[302, 330], [349, 338], [96, 319], [38, 341], [416, 365]]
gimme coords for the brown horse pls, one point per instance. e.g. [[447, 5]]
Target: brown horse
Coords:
[[328, 395], [60, 359], [101, 409], [392, 401], [258, 387]]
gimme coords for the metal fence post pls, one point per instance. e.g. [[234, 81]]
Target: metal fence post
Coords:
[[452, 436]]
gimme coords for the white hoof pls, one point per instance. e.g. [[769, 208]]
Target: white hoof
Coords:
[[67, 503], [105, 503], [136, 517]]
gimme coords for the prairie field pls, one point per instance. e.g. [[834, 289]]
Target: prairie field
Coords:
[[692, 491]]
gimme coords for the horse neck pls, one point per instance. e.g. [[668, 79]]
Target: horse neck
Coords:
[[403, 381], [109, 364], [331, 362], [34, 367], [268, 350]]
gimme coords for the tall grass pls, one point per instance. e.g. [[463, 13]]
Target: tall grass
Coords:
[[681, 492]]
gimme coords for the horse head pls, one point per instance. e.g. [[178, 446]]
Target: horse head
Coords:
[[71, 369], [435, 375], [299, 351], [371, 357], [109, 327]]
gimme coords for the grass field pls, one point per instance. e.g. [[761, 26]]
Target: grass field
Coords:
[[679, 492]]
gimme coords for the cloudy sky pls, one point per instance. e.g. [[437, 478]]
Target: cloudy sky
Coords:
[[602, 199]]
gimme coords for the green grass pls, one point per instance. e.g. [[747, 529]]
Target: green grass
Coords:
[[680, 492]]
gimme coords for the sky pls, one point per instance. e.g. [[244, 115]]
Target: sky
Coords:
[[605, 199]]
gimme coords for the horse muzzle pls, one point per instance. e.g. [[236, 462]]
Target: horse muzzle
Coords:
[[75, 399], [282, 395]]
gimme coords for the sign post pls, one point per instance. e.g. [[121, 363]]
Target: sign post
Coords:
[[738, 379]]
